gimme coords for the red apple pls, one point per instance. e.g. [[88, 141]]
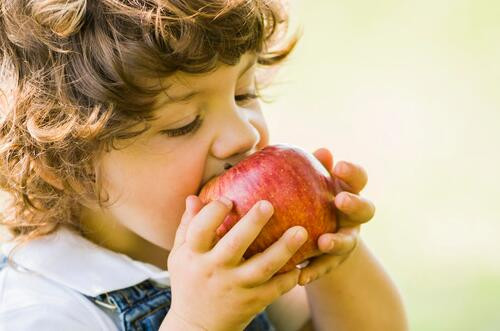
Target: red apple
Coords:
[[294, 181]]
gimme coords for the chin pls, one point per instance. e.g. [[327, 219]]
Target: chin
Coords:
[[166, 246], [164, 243], [161, 238]]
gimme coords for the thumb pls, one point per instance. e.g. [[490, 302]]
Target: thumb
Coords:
[[193, 206]]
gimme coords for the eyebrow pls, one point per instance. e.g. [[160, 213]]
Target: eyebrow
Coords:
[[192, 94]]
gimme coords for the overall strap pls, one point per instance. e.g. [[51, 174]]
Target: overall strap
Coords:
[[145, 305], [139, 307]]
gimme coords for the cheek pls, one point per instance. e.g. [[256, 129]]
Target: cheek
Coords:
[[148, 193]]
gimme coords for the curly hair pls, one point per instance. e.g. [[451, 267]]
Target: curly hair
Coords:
[[69, 72]]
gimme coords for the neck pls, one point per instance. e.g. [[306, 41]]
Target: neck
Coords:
[[108, 233]]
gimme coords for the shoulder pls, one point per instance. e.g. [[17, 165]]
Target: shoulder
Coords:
[[31, 302]]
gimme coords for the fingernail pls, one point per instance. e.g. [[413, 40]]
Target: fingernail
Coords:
[[265, 207], [331, 244], [345, 200], [300, 235], [342, 169], [226, 201]]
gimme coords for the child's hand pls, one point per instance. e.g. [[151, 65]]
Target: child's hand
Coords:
[[353, 210], [213, 287]]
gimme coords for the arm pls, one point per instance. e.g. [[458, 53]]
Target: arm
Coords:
[[358, 295], [352, 291], [290, 312]]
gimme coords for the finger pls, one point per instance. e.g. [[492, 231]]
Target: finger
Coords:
[[279, 285], [357, 209], [261, 267], [231, 247], [193, 206], [201, 230], [326, 242], [344, 241], [318, 267], [325, 157], [351, 174], [341, 186]]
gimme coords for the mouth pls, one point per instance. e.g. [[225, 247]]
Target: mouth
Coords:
[[227, 166]]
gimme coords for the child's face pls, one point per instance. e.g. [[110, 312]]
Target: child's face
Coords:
[[151, 177]]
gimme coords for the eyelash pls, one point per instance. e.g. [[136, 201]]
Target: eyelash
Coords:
[[245, 97], [196, 123]]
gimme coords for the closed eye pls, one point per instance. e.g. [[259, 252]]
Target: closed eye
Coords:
[[191, 127], [245, 97]]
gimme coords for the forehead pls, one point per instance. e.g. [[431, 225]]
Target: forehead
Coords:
[[180, 84]]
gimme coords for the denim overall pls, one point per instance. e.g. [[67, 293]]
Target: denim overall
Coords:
[[144, 306]]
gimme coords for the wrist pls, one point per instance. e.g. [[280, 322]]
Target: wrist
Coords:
[[174, 322], [352, 254]]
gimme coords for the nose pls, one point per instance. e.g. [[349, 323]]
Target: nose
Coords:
[[236, 136]]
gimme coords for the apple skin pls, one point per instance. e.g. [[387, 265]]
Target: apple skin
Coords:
[[300, 189]]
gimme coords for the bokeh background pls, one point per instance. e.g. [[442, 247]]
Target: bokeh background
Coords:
[[409, 89]]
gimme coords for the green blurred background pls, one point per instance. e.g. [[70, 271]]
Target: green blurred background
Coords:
[[410, 90]]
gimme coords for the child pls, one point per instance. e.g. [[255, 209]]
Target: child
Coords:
[[119, 111]]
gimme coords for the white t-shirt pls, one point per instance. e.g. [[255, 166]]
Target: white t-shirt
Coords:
[[44, 288]]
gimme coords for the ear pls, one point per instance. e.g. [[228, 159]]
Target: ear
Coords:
[[47, 175]]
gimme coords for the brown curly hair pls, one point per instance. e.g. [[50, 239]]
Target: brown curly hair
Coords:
[[69, 85]]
